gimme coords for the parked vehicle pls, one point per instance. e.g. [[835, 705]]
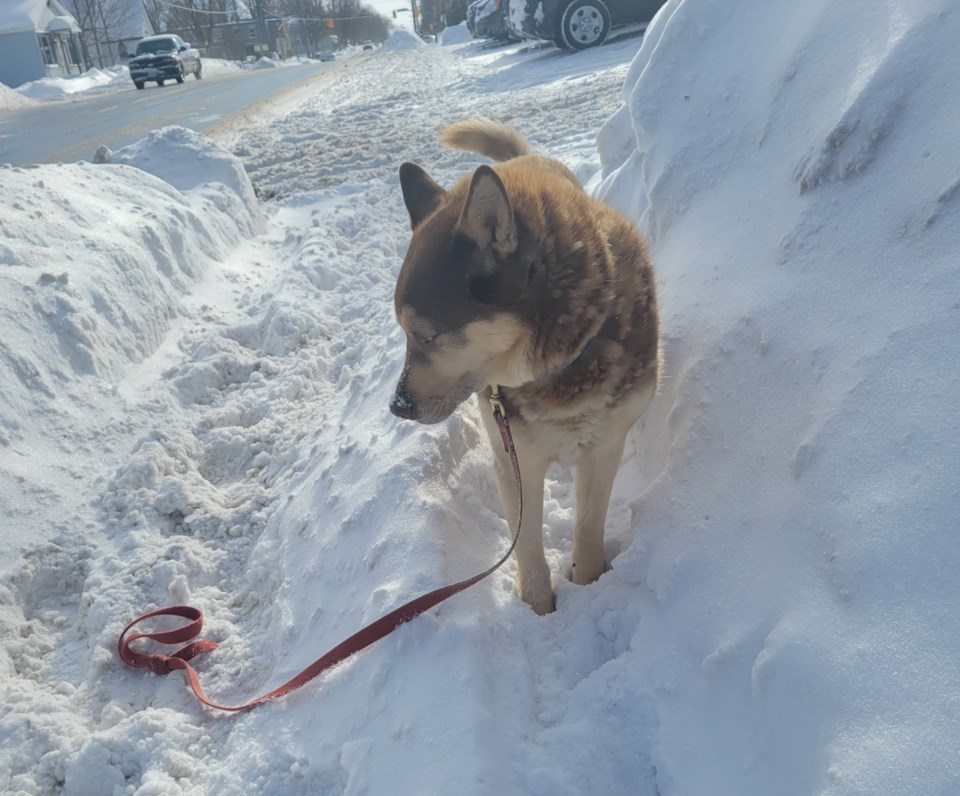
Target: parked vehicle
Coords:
[[491, 19], [164, 57], [577, 24], [472, 16], [367, 45]]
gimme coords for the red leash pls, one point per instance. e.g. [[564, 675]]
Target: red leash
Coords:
[[363, 638]]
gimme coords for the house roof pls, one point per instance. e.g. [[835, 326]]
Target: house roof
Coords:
[[38, 16]]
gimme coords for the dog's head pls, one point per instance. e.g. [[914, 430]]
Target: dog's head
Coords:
[[460, 294]]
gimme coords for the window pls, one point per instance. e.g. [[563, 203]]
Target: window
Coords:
[[46, 47], [75, 53]]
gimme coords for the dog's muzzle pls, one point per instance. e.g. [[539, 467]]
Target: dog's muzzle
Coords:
[[403, 407]]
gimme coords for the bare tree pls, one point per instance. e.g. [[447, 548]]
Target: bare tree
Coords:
[[104, 24], [308, 22], [353, 22], [194, 19], [156, 11]]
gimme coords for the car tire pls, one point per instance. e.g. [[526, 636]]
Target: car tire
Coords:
[[138, 83], [159, 82], [179, 76], [583, 24], [198, 72]]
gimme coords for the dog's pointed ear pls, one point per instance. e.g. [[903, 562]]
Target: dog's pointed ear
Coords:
[[488, 215], [420, 193]]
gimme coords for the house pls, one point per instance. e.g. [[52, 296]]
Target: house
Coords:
[[237, 40], [38, 38]]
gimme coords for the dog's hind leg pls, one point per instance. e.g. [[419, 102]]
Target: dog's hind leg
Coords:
[[596, 472]]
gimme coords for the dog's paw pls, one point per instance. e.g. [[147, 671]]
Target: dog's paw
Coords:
[[587, 573], [541, 599], [543, 607]]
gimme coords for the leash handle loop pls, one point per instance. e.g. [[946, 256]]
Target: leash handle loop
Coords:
[[162, 664]]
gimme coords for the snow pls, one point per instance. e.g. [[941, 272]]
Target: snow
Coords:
[[401, 40], [11, 100], [456, 34], [57, 87], [21, 16], [114, 78], [264, 63], [195, 410]]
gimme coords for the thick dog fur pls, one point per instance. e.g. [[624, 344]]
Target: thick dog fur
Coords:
[[517, 277]]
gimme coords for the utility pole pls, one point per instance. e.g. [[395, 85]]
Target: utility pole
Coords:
[[261, 26]]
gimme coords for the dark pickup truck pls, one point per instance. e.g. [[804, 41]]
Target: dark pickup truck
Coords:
[[164, 57]]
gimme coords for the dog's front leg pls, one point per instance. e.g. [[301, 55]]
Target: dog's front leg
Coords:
[[533, 574], [596, 472]]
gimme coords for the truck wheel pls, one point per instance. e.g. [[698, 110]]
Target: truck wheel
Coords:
[[179, 75], [160, 82], [138, 83], [584, 23], [198, 73]]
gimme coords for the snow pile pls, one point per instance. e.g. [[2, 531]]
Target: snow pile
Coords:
[[193, 164], [400, 40], [264, 63], [83, 302], [780, 615], [456, 34], [13, 100], [214, 66], [59, 87], [802, 551]]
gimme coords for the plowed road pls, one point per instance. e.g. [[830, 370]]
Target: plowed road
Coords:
[[65, 131]]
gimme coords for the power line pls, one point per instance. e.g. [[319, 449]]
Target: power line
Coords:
[[194, 10], [278, 16]]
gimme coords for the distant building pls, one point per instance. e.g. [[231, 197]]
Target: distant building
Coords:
[[311, 36], [38, 38], [236, 40]]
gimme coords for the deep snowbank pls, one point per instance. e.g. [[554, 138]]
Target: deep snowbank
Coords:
[[83, 301], [800, 189]]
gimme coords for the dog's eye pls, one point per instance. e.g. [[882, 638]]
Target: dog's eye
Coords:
[[482, 287], [463, 246], [422, 340]]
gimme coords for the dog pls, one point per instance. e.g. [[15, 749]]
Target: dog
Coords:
[[517, 277]]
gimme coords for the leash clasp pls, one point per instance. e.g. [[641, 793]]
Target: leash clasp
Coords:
[[496, 401]]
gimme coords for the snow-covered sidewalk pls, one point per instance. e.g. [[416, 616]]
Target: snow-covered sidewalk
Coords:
[[195, 410]]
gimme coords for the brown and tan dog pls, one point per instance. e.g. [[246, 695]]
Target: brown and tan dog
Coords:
[[517, 277]]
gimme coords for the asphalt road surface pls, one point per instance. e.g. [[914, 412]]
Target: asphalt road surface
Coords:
[[65, 131]]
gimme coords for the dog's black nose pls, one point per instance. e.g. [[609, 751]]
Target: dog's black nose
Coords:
[[403, 407]]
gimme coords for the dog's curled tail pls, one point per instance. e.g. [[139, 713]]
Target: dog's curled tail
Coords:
[[488, 137]]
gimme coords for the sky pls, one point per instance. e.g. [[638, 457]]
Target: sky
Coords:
[[198, 347]]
